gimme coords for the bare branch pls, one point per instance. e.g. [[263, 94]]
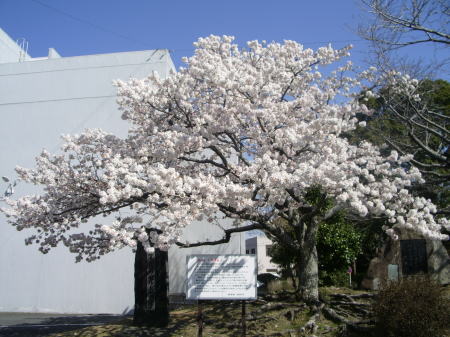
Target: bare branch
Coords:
[[397, 24]]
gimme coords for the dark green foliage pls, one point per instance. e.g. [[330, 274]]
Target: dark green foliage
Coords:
[[413, 307], [317, 198], [337, 278], [372, 239], [284, 256], [438, 95], [338, 245]]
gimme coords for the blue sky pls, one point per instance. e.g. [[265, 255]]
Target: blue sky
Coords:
[[103, 26], [82, 27]]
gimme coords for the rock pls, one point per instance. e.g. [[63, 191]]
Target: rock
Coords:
[[438, 262]]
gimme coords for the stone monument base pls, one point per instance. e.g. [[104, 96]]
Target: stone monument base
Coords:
[[410, 255]]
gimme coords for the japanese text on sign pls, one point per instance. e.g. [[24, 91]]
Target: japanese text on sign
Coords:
[[221, 277]]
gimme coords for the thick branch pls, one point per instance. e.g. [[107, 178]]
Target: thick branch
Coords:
[[225, 239], [433, 153], [414, 161]]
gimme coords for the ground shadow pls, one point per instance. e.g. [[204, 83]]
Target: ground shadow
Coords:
[[96, 325], [44, 326]]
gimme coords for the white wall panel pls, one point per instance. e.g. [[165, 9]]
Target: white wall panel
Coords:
[[39, 101]]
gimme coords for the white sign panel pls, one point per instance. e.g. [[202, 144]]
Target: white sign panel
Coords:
[[221, 277]]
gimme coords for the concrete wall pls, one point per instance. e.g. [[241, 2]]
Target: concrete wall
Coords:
[[9, 50], [39, 101], [260, 244]]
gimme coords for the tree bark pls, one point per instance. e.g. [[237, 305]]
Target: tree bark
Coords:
[[308, 263], [151, 288]]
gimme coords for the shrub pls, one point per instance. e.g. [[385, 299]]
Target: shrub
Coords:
[[412, 307], [338, 244], [336, 278]]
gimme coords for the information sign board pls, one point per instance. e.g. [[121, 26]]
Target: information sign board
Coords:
[[221, 277]]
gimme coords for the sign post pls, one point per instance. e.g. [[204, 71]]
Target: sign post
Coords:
[[244, 326], [199, 319], [349, 272], [221, 277]]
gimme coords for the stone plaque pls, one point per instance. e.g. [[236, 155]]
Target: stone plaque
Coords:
[[414, 256]]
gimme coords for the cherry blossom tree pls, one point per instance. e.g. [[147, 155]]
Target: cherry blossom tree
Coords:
[[245, 134]]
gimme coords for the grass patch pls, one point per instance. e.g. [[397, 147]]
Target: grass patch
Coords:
[[279, 286]]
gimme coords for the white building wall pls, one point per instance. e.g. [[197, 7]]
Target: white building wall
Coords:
[[258, 245], [9, 50], [39, 101]]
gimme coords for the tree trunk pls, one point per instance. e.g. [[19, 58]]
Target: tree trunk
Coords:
[[308, 263], [151, 288]]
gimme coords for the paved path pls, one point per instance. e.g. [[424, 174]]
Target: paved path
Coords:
[[40, 325]]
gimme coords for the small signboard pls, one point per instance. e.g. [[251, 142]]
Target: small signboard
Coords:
[[221, 277], [393, 272]]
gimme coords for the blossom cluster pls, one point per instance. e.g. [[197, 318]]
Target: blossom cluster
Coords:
[[239, 133]]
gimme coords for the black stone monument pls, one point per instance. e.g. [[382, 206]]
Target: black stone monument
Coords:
[[414, 257]]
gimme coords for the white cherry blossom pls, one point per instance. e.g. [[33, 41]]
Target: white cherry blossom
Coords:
[[238, 133]]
